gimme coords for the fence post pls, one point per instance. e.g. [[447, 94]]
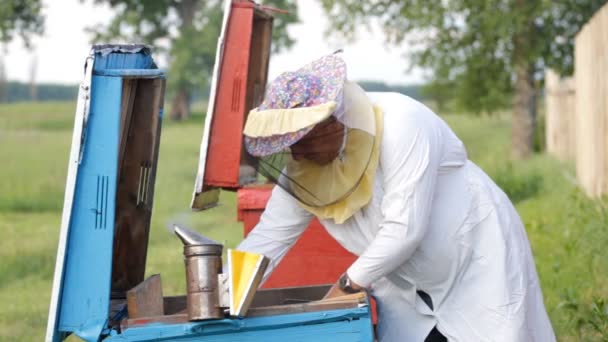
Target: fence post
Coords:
[[560, 129]]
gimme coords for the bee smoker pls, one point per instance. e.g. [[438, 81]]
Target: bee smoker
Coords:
[[204, 278]]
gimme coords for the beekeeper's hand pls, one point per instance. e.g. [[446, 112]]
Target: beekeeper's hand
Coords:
[[344, 286]]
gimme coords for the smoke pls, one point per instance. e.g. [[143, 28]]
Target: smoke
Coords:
[[181, 219]]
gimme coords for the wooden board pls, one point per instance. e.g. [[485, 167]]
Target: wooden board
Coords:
[[560, 118], [591, 66], [262, 298], [290, 295], [135, 191], [336, 303], [146, 299], [129, 89], [257, 78]]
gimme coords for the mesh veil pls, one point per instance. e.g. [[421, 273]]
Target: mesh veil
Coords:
[[321, 184]]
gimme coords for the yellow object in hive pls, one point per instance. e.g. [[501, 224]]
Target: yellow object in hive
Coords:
[[245, 274]]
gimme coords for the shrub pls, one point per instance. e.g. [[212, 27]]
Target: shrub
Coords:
[[518, 185]]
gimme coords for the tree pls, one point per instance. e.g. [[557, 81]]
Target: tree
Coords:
[[3, 82], [21, 18], [191, 28], [491, 52]]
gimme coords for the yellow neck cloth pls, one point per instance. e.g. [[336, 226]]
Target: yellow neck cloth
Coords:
[[348, 179]]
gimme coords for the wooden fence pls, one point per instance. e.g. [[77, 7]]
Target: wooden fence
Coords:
[[591, 104], [560, 119], [577, 108]]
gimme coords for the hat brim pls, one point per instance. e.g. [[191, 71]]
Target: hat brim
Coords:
[[266, 123], [265, 146]]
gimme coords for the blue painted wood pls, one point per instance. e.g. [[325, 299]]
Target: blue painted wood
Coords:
[[137, 59], [86, 284], [336, 325], [139, 73]]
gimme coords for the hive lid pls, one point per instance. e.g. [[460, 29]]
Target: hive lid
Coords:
[[237, 85], [203, 198], [80, 296]]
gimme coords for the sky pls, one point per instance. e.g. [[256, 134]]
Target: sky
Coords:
[[61, 52]]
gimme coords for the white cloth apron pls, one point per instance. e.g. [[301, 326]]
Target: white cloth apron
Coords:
[[435, 223]]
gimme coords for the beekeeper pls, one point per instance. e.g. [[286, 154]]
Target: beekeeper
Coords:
[[439, 245]]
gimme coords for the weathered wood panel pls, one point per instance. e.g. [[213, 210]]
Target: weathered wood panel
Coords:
[[146, 299], [591, 67], [560, 116], [142, 105], [350, 301]]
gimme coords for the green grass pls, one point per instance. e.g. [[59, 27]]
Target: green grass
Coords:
[[568, 232], [46, 116]]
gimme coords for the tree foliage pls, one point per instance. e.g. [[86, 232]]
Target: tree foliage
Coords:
[[20, 18], [411, 90], [473, 46], [186, 32], [489, 52]]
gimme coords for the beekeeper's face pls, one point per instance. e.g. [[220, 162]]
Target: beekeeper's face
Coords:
[[322, 144]]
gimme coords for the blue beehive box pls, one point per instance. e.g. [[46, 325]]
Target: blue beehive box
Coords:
[[106, 220]]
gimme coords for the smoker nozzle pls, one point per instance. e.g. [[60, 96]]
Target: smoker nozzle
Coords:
[[190, 237]]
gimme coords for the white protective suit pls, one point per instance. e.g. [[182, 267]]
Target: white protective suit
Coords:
[[436, 223]]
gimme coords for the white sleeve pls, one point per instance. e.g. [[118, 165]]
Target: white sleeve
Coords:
[[280, 226], [409, 160]]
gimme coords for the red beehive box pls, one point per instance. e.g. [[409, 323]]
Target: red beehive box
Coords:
[[315, 259]]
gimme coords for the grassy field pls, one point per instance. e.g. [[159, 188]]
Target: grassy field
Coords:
[[568, 232]]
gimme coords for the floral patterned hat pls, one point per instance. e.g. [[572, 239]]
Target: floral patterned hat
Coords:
[[294, 103]]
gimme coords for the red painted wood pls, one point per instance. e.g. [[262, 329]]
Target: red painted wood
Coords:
[[224, 152], [315, 259], [252, 200]]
